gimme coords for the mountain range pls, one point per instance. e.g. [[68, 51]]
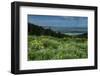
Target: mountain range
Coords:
[[34, 29]]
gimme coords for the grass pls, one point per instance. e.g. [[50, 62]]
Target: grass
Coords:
[[50, 48]]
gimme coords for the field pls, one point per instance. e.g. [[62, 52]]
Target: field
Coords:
[[50, 48]]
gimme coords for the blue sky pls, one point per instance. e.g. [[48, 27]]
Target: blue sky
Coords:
[[58, 21]]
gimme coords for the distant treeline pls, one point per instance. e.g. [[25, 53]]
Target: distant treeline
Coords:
[[38, 30]]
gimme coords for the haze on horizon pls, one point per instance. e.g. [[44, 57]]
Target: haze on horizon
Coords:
[[60, 23]]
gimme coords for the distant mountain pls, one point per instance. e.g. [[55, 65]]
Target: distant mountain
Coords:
[[38, 30], [67, 29], [34, 29]]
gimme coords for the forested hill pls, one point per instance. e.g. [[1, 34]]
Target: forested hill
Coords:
[[38, 30]]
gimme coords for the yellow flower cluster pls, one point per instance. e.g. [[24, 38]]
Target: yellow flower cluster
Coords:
[[37, 44]]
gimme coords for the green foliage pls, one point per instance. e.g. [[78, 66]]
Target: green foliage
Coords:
[[48, 48]]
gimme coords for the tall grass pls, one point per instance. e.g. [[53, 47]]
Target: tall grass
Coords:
[[48, 48]]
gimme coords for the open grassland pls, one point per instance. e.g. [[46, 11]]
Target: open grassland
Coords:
[[50, 48]]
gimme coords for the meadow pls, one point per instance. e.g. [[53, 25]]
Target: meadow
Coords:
[[52, 48]]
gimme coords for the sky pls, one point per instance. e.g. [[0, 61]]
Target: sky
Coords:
[[58, 21]]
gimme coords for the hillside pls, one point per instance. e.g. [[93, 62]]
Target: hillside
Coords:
[[46, 44], [38, 30]]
